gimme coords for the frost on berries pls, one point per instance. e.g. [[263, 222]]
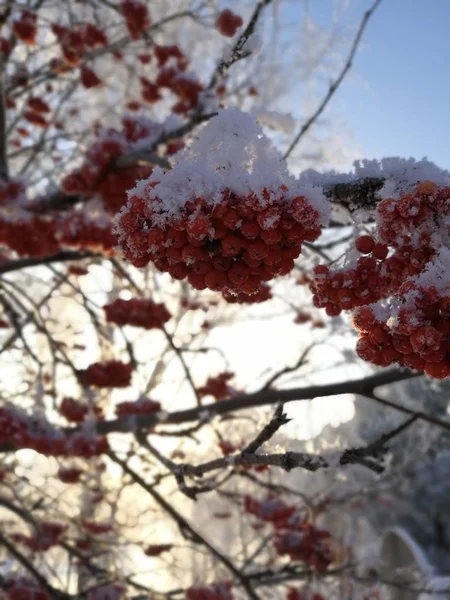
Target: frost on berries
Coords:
[[399, 286], [227, 217]]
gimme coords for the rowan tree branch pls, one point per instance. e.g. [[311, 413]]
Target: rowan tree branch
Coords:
[[35, 261]]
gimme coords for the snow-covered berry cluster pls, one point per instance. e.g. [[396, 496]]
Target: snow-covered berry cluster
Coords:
[[413, 328], [227, 217], [399, 284]]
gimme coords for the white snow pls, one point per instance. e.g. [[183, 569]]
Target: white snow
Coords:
[[232, 153]]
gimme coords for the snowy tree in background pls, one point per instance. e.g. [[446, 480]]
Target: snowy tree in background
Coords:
[[173, 275]]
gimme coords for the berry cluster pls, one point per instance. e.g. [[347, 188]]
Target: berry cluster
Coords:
[[11, 191], [407, 230], [228, 23], [89, 79], [143, 406], [108, 374], [24, 431], [183, 86], [77, 41], [294, 536], [29, 235], [217, 591], [307, 544], [271, 510], [25, 27], [77, 270], [233, 246], [78, 230], [413, 330], [99, 175], [45, 536], [217, 386], [35, 118], [73, 410], [137, 312], [400, 287], [137, 17], [38, 105]]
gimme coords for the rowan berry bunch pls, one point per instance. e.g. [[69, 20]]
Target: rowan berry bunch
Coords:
[[108, 374], [25, 27], [270, 510], [80, 230], [73, 410], [294, 536], [172, 65], [24, 431], [215, 223], [99, 175], [413, 329], [400, 285], [137, 312], [232, 247], [307, 544], [217, 591], [217, 386], [78, 40], [409, 230], [228, 23], [29, 235], [137, 17], [143, 406]]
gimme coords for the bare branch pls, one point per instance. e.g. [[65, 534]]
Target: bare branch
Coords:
[[337, 82]]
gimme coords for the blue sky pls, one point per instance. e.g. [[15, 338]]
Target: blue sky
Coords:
[[397, 102]]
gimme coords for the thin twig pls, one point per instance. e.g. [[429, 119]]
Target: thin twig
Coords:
[[337, 82]]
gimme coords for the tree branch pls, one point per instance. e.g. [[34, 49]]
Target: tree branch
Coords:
[[337, 82]]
